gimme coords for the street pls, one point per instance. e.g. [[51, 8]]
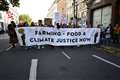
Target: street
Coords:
[[59, 39], [58, 63]]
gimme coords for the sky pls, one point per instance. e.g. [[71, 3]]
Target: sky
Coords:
[[36, 9]]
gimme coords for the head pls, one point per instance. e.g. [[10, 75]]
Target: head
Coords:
[[40, 22], [12, 22], [110, 24], [26, 24], [32, 24], [98, 26], [116, 25], [57, 24]]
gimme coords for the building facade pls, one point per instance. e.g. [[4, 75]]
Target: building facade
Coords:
[[52, 10], [61, 7], [82, 13], [103, 12], [7, 16], [69, 10], [66, 8]]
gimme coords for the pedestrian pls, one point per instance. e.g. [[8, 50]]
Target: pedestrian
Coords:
[[12, 34], [21, 25], [116, 33], [111, 32], [40, 24], [26, 24], [32, 24], [107, 34], [58, 26]]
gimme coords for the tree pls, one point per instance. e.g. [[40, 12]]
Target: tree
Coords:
[[25, 18], [15, 3], [4, 4]]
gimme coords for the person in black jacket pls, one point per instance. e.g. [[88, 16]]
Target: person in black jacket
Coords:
[[58, 26], [12, 34]]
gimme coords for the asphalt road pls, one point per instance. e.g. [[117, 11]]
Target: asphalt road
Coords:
[[58, 63]]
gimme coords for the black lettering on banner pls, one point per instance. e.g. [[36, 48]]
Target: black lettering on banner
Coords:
[[88, 39], [40, 33], [84, 33], [59, 34], [43, 32], [58, 40], [36, 39], [73, 33], [68, 33], [49, 40], [41, 40], [31, 40], [68, 40], [74, 40], [49, 33], [52, 40], [84, 40], [36, 32]]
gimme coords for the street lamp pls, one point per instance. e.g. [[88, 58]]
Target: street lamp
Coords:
[[75, 11]]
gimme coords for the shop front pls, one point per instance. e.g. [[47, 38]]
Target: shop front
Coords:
[[102, 16], [103, 12], [117, 17]]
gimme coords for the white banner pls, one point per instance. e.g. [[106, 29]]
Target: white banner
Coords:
[[58, 37]]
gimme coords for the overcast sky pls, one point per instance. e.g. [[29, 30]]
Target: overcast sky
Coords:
[[37, 9]]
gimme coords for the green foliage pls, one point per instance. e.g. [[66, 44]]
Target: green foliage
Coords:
[[15, 3], [4, 5], [25, 18]]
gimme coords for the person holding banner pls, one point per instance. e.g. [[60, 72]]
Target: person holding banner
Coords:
[[58, 26]]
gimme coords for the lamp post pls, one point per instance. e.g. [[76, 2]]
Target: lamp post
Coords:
[[75, 11]]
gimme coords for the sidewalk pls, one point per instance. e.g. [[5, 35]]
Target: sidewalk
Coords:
[[112, 48], [4, 41], [4, 36]]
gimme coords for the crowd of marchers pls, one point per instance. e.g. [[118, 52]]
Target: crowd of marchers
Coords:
[[108, 35]]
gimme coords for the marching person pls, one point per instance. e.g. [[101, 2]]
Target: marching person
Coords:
[[116, 33], [32, 24], [12, 34], [58, 26], [107, 34]]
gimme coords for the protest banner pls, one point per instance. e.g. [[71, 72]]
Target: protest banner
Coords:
[[60, 18], [60, 37]]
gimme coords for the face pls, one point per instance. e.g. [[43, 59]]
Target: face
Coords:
[[116, 25]]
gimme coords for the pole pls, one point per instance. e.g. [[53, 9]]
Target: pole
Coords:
[[75, 12]]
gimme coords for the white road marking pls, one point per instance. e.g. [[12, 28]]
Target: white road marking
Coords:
[[9, 48], [68, 57], [33, 69], [104, 60]]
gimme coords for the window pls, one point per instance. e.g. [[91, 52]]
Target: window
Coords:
[[102, 16]]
